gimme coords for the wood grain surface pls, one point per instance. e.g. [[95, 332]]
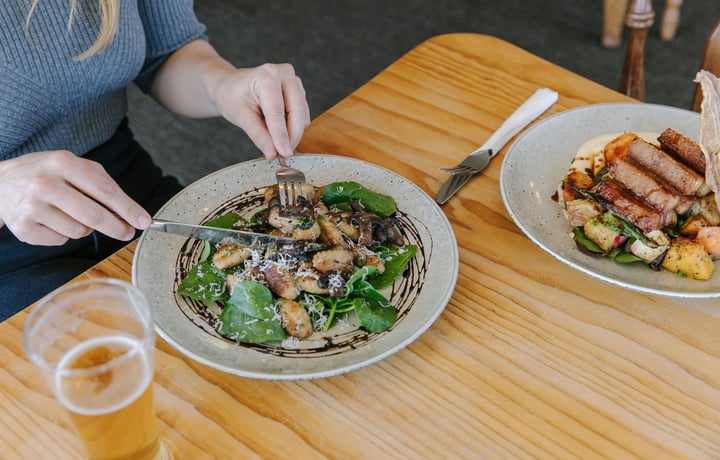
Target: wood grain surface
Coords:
[[530, 359]]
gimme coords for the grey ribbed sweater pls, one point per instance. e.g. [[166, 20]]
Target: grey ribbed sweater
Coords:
[[50, 101]]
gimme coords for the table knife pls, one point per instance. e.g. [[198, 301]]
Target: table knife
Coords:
[[219, 235], [532, 108]]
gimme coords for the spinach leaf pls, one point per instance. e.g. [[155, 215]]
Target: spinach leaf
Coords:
[[359, 275], [376, 316], [207, 251], [348, 301], [249, 315], [622, 256], [224, 221], [204, 283], [396, 260], [373, 310], [337, 306], [580, 237], [342, 192]]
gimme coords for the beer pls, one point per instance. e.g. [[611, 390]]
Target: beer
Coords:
[[105, 383], [94, 341]]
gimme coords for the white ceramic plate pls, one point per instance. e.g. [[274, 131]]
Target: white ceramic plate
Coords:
[[538, 160], [420, 295]]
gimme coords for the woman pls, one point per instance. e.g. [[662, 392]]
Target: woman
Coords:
[[74, 185]]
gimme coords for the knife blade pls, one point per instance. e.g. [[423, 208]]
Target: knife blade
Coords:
[[218, 235], [528, 111]]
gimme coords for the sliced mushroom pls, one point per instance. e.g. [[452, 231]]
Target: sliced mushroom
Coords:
[[366, 257], [333, 282], [366, 227], [374, 230], [393, 233]]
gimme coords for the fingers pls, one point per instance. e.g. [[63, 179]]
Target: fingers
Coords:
[[51, 227], [298, 112], [253, 123], [56, 227], [268, 88], [96, 201], [269, 103], [64, 197]]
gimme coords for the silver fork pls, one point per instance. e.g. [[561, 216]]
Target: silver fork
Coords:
[[529, 110], [472, 164], [291, 184]]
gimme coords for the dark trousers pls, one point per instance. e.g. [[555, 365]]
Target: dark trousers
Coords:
[[29, 272]]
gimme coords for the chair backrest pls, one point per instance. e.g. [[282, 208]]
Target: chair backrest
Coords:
[[638, 19]]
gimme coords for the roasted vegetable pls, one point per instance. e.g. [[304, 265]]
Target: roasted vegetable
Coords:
[[651, 252], [688, 258], [692, 225], [605, 236]]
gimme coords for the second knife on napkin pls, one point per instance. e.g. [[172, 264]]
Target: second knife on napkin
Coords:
[[532, 108]]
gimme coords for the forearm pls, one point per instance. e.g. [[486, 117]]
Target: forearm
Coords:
[[267, 102], [186, 83]]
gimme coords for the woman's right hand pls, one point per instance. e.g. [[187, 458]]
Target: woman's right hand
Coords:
[[51, 197]]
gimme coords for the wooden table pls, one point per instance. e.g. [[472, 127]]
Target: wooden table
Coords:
[[529, 359]]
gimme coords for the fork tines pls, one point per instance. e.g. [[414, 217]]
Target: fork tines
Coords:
[[291, 184]]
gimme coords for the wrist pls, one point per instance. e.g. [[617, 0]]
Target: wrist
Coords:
[[216, 72]]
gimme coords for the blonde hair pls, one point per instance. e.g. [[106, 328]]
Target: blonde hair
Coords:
[[109, 12]]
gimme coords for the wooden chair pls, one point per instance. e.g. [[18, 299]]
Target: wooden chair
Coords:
[[638, 19], [614, 16]]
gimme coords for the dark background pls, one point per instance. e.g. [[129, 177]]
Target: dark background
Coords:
[[337, 45]]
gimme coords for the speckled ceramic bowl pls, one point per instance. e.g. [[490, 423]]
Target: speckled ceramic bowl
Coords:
[[539, 159], [420, 294]]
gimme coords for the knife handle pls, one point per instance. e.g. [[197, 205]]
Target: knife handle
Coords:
[[532, 108]]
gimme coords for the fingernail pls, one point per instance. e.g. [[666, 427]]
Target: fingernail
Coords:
[[130, 234], [287, 150], [144, 222]]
